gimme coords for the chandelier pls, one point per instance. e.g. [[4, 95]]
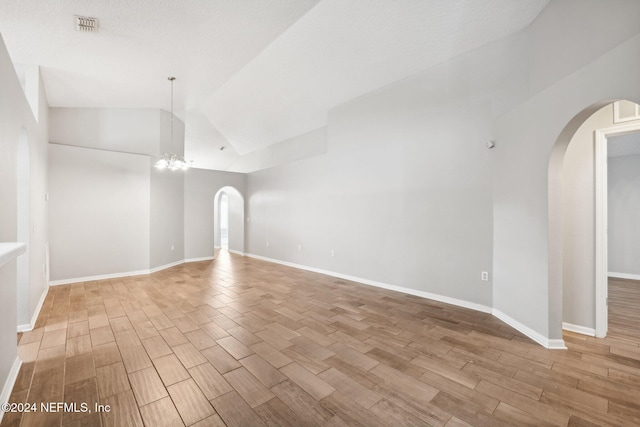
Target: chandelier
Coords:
[[168, 160]]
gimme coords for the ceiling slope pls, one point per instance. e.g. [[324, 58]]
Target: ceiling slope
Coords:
[[341, 49], [139, 44], [250, 73]]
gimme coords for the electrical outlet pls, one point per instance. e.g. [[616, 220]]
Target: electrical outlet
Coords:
[[484, 276], [333, 253], [299, 248], [267, 243], [173, 247]]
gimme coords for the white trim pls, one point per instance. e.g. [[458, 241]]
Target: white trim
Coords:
[[616, 114], [9, 383], [579, 329], [624, 276], [114, 275], [557, 344], [601, 233], [217, 247], [165, 266], [29, 326], [423, 294], [205, 258], [231, 251], [99, 277], [551, 344]]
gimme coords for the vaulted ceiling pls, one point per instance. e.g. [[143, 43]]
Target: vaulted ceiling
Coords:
[[250, 73]]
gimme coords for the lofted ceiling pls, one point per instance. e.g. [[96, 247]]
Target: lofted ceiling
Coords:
[[250, 73]]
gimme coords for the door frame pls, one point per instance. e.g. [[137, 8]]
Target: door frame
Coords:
[[601, 218]]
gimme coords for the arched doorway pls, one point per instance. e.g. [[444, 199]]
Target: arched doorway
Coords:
[[229, 220], [23, 180], [578, 270], [224, 221]]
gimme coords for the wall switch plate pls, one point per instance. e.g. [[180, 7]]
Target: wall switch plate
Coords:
[[173, 247], [484, 276], [333, 253], [299, 248]]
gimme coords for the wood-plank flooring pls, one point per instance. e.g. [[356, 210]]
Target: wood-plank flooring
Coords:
[[242, 342], [624, 309]]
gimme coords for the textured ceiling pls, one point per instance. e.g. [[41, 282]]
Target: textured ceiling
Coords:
[[250, 72]]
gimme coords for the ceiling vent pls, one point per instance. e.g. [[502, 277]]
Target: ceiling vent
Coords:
[[86, 24]]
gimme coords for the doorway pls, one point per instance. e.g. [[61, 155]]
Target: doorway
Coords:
[[604, 138], [581, 214], [623, 231], [224, 221], [228, 221]]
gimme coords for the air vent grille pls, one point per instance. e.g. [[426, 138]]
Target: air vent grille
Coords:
[[86, 24]]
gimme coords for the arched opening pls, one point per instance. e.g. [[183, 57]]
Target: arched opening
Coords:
[[229, 220], [224, 221], [23, 196], [578, 217]]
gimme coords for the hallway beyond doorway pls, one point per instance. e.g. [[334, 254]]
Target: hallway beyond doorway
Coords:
[[624, 309]]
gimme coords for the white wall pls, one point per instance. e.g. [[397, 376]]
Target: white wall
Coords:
[[236, 211], [307, 145], [129, 130], [167, 198], [402, 197], [135, 137], [527, 187], [167, 217], [16, 115], [11, 121], [404, 193], [200, 189], [38, 206], [624, 214], [23, 179], [99, 212], [578, 210]]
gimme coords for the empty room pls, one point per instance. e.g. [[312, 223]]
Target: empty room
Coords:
[[320, 213]]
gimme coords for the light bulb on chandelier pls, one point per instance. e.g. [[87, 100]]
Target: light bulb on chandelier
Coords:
[[168, 160]]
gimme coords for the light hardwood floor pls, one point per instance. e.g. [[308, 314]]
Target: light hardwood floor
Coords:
[[241, 342], [624, 309]]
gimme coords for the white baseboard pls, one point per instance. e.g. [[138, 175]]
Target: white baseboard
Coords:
[[551, 344], [9, 383], [231, 251], [165, 266], [579, 329], [423, 294], [114, 275], [556, 344], [216, 247], [29, 326], [99, 277], [624, 276], [26, 327], [206, 258]]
